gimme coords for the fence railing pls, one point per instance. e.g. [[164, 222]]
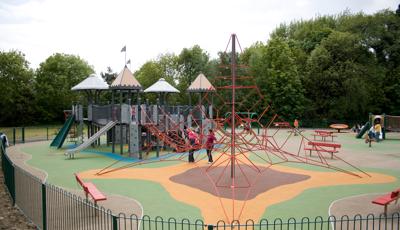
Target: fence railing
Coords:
[[51, 207], [17, 135]]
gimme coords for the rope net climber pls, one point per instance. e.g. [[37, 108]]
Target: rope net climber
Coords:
[[242, 154]]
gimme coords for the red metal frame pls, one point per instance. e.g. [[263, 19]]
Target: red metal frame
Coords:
[[240, 148]]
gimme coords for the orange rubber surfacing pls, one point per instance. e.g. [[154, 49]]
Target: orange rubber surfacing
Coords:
[[214, 207]]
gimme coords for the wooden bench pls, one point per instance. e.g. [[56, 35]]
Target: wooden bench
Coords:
[[385, 200], [323, 134], [323, 147], [90, 189]]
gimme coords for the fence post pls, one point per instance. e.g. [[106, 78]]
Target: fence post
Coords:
[[47, 133], [14, 132], [44, 211], [114, 222], [23, 134]]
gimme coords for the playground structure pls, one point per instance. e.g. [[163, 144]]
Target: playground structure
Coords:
[[243, 155], [143, 127], [388, 123]]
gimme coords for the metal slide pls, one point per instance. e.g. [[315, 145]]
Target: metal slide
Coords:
[[88, 142]]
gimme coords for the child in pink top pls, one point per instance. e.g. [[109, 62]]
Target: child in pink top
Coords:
[[192, 140], [210, 144]]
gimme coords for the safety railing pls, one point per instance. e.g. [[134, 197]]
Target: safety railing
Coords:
[[51, 207]]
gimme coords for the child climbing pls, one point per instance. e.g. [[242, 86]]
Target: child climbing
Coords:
[[210, 144], [192, 140]]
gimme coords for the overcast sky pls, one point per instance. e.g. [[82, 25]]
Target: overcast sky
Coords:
[[97, 30]]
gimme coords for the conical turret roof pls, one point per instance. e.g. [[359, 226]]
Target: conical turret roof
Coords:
[[125, 80], [92, 82], [161, 86], [201, 84]]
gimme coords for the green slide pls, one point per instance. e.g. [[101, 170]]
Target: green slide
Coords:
[[363, 130], [60, 138]]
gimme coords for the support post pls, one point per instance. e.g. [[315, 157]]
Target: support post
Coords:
[[139, 117], [121, 143], [233, 73], [14, 133], [23, 134], [44, 209]]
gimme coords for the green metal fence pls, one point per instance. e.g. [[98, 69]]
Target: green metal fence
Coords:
[[51, 207], [30, 133]]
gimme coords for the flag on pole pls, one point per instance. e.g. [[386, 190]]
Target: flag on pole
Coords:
[[128, 62], [123, 49]]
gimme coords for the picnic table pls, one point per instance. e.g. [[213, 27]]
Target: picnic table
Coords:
[[323, 134], [339, 127]]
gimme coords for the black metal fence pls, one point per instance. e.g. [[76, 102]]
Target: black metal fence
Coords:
[[51, 207]]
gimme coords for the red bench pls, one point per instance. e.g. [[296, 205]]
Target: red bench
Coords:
[[282, 124], [385, 200], [90, 189], [323, 147], [323, 134]]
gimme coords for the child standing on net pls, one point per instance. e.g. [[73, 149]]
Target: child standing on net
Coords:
[[210, 144], [192, 139]]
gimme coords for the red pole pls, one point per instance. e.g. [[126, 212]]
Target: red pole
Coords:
[[233, 74]]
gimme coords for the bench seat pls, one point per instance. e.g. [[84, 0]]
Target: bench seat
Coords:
[[94, 192], [322, 147], [90, 189], [386, 199]]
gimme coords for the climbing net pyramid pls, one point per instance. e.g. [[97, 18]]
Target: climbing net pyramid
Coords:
[[247, 147]]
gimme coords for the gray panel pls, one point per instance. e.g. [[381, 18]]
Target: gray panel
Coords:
[[155, 113], [79, 110], [134, 140], [118, 133], [125, 114], [143, 115], [90, 114], [189, 120]]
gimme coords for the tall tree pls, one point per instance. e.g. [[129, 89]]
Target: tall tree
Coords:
[[276, 74], [54, 79], [340, 71], [16, 86], [192, 62]]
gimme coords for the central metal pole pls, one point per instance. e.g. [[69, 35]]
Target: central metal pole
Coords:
[[233, 73]]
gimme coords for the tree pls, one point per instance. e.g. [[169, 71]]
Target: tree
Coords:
[[152, 71], [340, 73], [109, 76], [16, 86], [54, 79], [276, 75], [192, 62]]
